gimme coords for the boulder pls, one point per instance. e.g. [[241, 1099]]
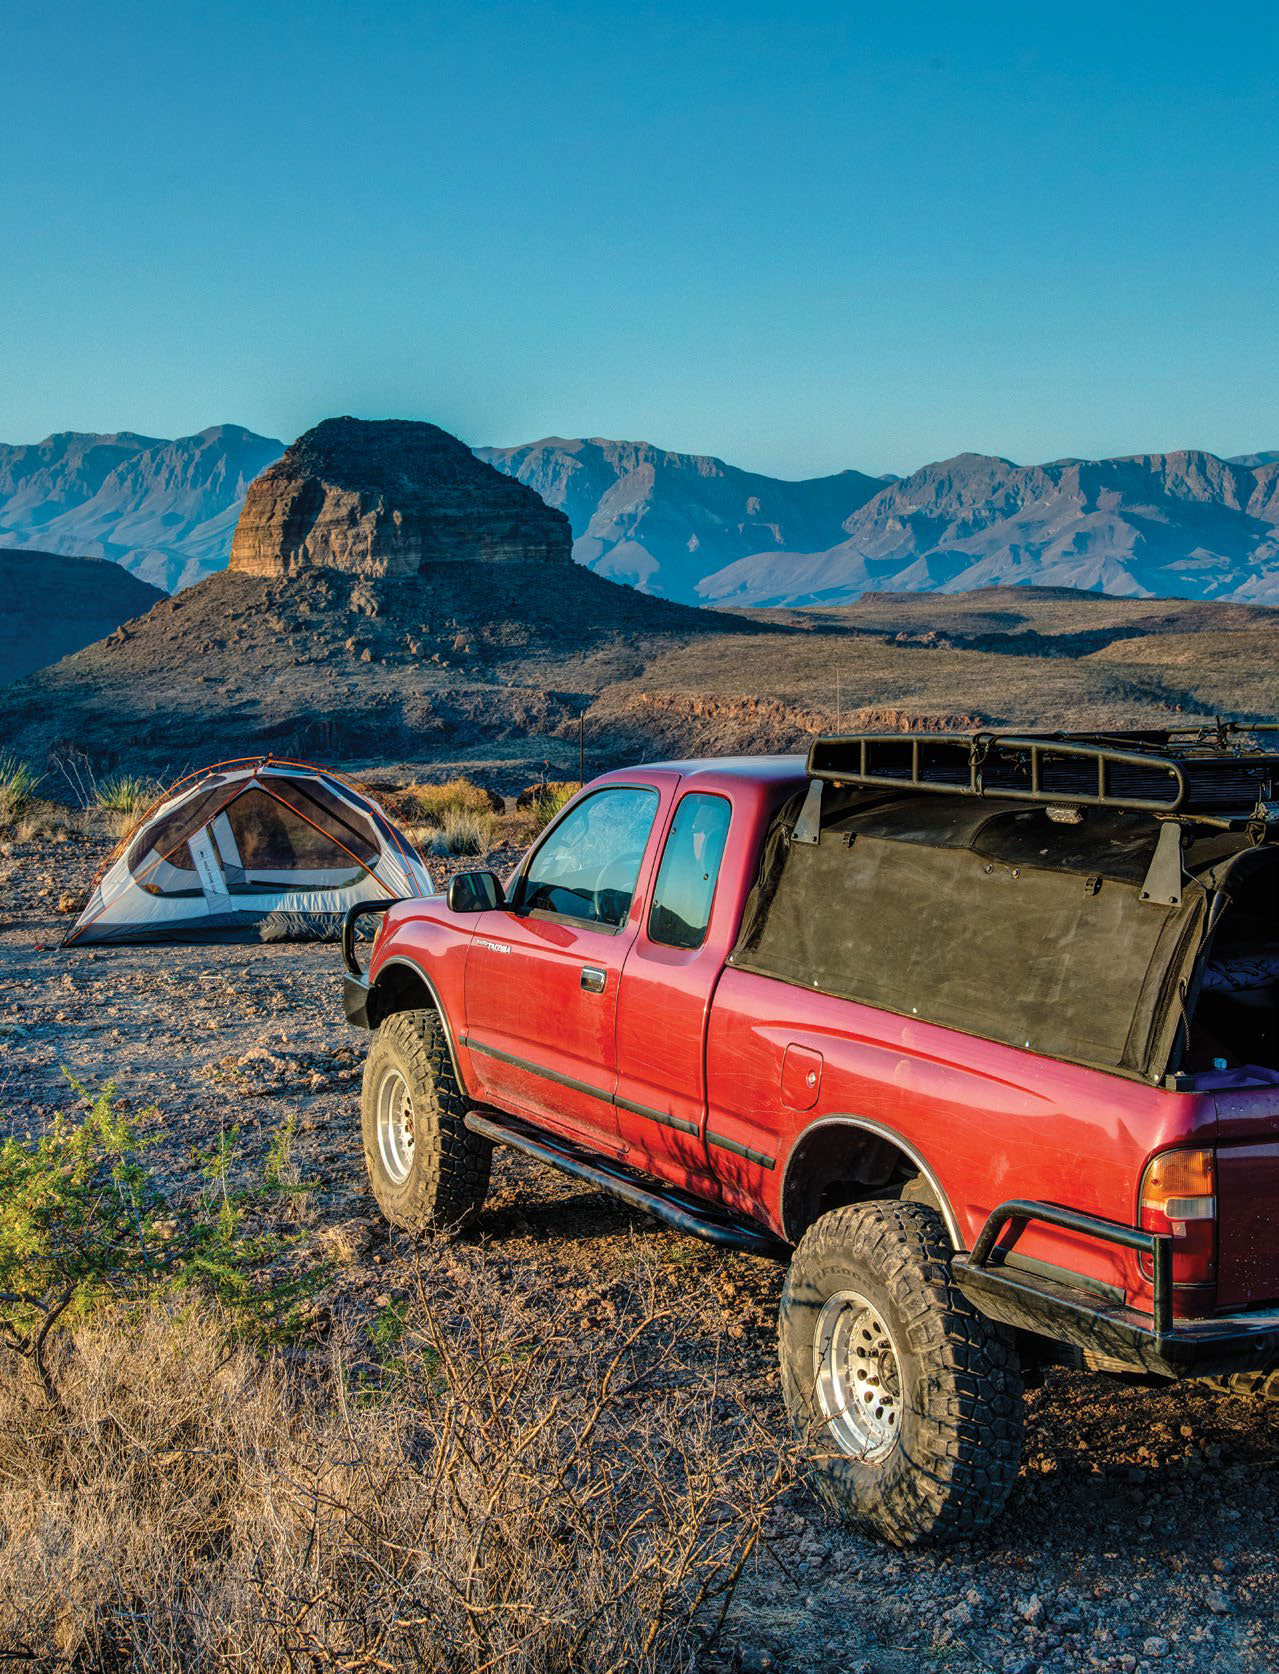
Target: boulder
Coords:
[[389, 497]]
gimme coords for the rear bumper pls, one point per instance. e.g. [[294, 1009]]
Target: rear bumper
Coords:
[[355, 1000], [1187, 1348]]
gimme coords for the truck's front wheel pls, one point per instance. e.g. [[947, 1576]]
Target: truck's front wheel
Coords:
[[426, 1167], [909, 1402]]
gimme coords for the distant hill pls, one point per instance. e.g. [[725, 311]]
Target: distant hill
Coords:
[[52, 605], [388, 593], [1177, 525], [663, 521], [165, 510]]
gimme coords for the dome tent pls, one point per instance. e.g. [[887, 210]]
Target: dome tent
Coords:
[[248, 850]]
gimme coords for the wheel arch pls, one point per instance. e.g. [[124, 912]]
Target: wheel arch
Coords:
[[836, 1154], [402, 984]]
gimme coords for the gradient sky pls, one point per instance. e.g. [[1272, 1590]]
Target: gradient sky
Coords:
[[799, 237]]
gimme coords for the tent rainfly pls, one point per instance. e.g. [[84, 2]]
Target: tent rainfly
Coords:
[[250, 850]]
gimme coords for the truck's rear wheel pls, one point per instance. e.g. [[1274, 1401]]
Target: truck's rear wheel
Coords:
[[427, 1169], [908, 1400]]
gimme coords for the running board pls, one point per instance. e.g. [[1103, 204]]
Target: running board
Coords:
[[674, 1207]]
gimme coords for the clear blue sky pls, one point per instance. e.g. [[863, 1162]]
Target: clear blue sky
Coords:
[[801, 237]]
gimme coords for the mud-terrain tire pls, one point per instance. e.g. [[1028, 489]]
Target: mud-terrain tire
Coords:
[[427, 1169], [908, 1401], [1257, 1386]]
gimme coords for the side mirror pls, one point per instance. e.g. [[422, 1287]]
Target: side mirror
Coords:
[[475, 892]]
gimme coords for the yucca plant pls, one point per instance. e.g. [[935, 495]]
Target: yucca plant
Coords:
[[17, 788], [125, 795]]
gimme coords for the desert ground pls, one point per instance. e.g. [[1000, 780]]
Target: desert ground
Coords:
[[1140, 1535]]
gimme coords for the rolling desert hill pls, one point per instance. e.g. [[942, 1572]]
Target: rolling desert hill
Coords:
[[165, 510], [388, 593], [51, 605]]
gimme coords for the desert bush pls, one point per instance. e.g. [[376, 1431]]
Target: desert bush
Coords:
[[125, 795], [490, 1495], [17, 790], [83, 1221], [78, 1219], [547, 800], [461, 832], [432, 804], [41, 818]]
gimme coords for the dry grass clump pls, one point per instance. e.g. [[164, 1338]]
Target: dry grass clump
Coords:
[[432, 804], [460, 832], [487, 1494], [43, 819]]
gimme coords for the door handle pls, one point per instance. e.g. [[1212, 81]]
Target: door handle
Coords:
[[593, 979]]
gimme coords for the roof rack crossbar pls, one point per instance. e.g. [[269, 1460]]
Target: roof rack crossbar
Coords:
[[1148, 772]]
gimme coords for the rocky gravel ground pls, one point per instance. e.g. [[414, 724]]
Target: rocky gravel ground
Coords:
[[1142, 1533]]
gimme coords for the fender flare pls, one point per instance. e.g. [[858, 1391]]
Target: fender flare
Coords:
[[404, 961], [877, 1130]]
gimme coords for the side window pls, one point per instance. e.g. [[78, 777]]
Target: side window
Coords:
[[588, 866], [681, 910]]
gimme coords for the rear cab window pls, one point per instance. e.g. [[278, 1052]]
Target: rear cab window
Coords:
[[587, 866], [680, 913]]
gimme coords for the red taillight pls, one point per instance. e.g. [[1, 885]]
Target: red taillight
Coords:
[[1179, 1196]]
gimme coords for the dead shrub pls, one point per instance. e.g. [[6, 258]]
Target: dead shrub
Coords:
[[487, 1494]]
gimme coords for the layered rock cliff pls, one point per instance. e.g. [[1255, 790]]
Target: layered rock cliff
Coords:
[[389, 497]]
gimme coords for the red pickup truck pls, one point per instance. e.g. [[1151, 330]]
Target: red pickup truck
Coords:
[[981, 1033]]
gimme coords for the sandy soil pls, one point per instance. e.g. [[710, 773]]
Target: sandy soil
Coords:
[[1141, 1535]]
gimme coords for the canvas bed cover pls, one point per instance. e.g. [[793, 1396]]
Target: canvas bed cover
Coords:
[[989, 917]]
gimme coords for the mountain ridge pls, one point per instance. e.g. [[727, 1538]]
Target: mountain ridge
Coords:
[[697, 530], [163, 508]]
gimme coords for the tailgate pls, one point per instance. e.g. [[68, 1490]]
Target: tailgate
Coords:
[[1247, 1197]]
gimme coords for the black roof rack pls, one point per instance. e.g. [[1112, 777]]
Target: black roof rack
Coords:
[[1223, 770]]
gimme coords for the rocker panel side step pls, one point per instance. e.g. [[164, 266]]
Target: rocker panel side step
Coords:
[[677, 1209]]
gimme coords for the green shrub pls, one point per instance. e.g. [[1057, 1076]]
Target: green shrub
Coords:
[[17, 789], [125, 794], [83, 1221], [549, 799]]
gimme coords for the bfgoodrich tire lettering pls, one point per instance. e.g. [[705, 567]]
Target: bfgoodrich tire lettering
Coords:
[[427, 1169], [942, 1434]]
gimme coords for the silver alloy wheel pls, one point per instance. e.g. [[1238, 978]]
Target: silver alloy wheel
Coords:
[[395, 1126], [857, 1378]]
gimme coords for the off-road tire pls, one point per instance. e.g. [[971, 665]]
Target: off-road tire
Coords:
[[956, 1453], [1258, 1386], [447, 1177]]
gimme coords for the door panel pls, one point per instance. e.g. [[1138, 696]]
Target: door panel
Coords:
[[666, 992], [542, 977], [543, 1042]]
